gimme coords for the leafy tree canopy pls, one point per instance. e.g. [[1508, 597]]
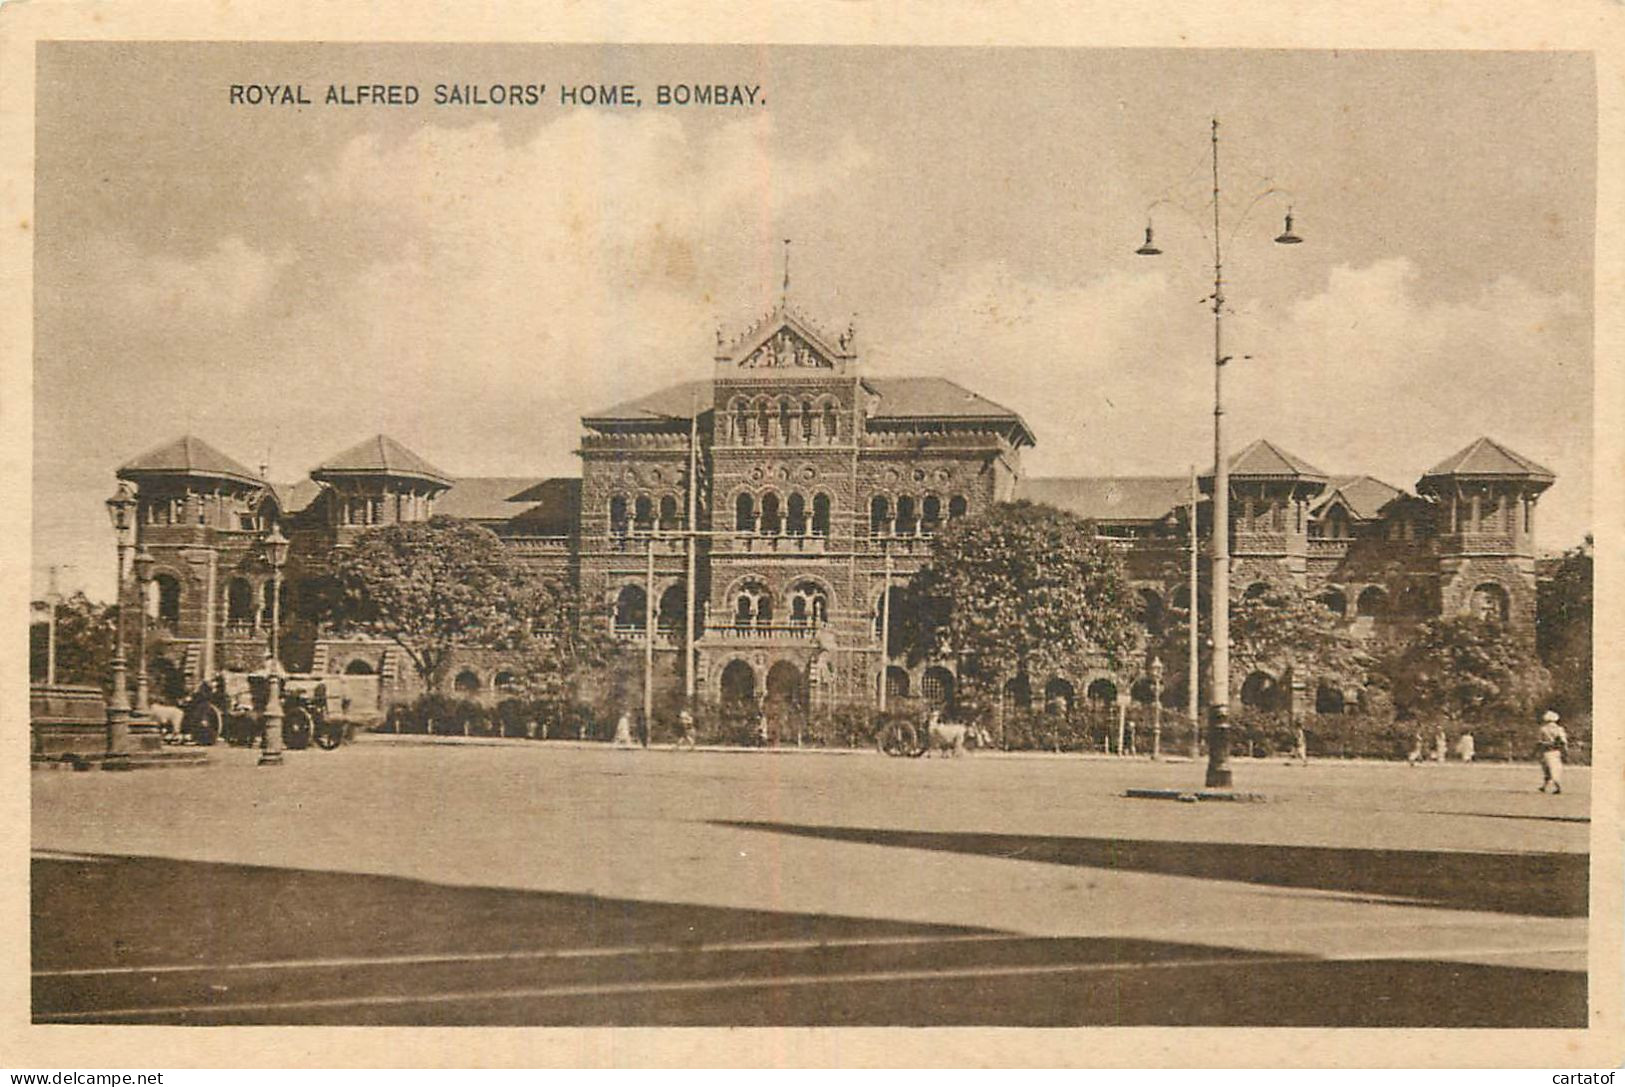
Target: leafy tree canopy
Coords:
[[1024, 588], [1563, 629], [1465, 668], [434, 587], [85, 632]]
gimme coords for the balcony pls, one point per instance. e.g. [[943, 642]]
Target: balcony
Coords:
[[750, 543], [763, 632]]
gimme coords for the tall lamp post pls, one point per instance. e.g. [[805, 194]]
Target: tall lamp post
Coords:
[[121, 512], [1156, 707], [143, 578], [1218, 756], [276, 553]]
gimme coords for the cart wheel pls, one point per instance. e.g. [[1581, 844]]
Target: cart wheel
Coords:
[[203, 725], [296, 729], [329, 735], [897, 740]]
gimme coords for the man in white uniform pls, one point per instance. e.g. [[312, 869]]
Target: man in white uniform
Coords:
[[1551, 745]]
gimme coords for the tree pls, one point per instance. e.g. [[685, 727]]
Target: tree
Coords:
[[1563, 629], [1282, 629], [433, 588], [566, 646], [1468, 670], [1023, 589], [85, 632]]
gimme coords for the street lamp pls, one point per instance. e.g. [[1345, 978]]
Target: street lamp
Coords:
[[143, 578], [121, 512], [1156, 707], [1218, 764], [276, 553]]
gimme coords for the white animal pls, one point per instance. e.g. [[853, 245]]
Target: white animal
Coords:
[[169, 718], [951, 739]]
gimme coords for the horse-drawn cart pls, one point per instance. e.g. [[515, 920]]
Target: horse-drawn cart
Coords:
[[232, 708]]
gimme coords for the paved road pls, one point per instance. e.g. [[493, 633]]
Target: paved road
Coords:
[[535, 884]]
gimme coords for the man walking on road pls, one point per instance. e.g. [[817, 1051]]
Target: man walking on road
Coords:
[[1551, 745]]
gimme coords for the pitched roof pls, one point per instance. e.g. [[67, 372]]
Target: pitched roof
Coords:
[[1365, 496], [380, 455], [934, 398], [1265, 459], [1487, 457], [672, 402], [504, 498], [1110, 498], [189, 456], [296, 496], [898, 398]]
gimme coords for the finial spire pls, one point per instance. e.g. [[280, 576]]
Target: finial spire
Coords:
[[784, 295]]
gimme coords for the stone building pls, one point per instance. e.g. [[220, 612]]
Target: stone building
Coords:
[[797, 488]]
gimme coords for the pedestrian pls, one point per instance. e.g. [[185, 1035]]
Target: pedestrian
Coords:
[[761, 729], [1415, 756], [1439, 745], [1300, 745], [685, 731], [1466, 747], [1553, 742], [623, 730]]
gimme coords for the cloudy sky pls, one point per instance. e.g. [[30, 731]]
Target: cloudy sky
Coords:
[[284, 282]]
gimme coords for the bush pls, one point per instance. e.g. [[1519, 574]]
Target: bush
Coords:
[[438, 714]]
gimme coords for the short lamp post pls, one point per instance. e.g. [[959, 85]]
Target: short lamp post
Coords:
[[143, 578], [276, 553], [1156, 707], [121, 512]]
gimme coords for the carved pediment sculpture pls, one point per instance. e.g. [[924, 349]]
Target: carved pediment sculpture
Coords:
[[784, 350]]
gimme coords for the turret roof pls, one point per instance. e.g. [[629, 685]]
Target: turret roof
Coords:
[[1264, 459], [1489, 458], [380, 455], [186, 456]]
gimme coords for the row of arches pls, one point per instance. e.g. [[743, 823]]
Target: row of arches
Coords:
[[908, 516], [645, 513], [247, 608], [785, 421], [795, 516]]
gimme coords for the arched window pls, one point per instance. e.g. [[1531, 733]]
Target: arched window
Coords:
[[809, 606], [907, 524], [1059, 696], [466, 682], [896, 682], [820, 515], [1328, 697], [931, 513], [753, 604], [169, 599], [1102, 692], [1334, 601], [806, 420], [631, 609], [617, 515], [1371, 602], [784, 421], [957, 507], [763, 424], [1489, 601], [1259, 690], [745, 514], [505, 682], [358, 667], [879, 515], [738, 685], [239, 601], [796, 516], [1018, 693], [1151, 611], [643, 513], [741, 415], [831, 424], [669, 616], [668, 512], [771, 524], [937, 687]]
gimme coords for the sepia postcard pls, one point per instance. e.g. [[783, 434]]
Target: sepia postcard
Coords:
[[875, 534]]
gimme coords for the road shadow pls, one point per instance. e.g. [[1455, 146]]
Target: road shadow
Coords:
[[1536, 884], [238, 944]]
